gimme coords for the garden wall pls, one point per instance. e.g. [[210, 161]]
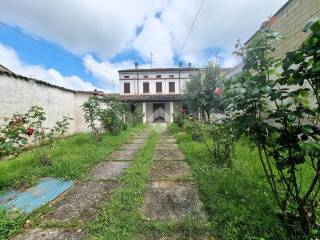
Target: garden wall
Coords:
[[19, 93]]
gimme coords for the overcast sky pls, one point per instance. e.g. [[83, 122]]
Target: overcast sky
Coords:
[[82, 44]]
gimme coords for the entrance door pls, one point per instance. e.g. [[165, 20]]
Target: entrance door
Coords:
[[158, 112]]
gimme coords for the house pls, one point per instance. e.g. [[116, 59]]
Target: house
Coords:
[[158, 92]]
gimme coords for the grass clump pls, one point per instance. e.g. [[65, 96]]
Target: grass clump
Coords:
[[237, 199], [71, 157], [10, 223], [120, 217]]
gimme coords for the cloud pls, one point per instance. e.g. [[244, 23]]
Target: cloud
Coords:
[[10, 59], [81, 26], [108, 28]]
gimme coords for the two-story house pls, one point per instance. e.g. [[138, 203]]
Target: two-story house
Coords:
[[157, 91]]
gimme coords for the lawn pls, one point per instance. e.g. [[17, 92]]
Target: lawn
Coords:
[[238, 201], [72, 157]]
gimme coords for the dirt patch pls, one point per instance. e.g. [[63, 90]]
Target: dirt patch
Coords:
[[109, 170], [50, 234], [82, 201], [168, 154], [169, 170], [171, 200]]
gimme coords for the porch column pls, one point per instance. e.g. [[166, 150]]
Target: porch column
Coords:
[[144, 110], [171, 112]]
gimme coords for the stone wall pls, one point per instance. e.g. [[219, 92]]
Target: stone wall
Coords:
[[18, 94], [290, 21]]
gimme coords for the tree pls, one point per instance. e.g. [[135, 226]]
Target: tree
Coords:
[[200, 92], [279, 118]]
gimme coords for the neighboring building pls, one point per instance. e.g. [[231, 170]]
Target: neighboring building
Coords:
[[289, 21], [157, 92]]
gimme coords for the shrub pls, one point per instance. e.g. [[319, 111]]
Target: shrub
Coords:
[[287, 132], [196, 129], [136, 117], [222, 147], [92, 111], [180, 118]]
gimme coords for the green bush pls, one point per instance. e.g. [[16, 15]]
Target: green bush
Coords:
[[136, 117], [180, 118], [196, 129]]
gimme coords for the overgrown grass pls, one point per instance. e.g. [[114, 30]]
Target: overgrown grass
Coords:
[[10, 223], [237, 199], [72, 157], [120, 218]]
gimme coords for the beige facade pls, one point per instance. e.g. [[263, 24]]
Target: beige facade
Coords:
[[156, 105], [290, 20]]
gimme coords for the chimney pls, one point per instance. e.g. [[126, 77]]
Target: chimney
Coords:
[[189, 64], [136, 65]]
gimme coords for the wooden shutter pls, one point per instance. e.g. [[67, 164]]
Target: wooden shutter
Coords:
[[172, 87], [145, 87], [126, 87], [159, 87]]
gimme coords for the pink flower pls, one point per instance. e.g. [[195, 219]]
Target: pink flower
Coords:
[[218, 91]]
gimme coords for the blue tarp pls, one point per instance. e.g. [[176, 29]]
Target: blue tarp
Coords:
[[33, 198]]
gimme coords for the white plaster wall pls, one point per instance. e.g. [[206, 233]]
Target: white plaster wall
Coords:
[[152, 79], [18, 95]]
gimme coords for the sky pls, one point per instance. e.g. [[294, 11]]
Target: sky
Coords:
[[81, 44]]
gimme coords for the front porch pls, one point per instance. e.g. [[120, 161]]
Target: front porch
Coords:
[[156, 108]]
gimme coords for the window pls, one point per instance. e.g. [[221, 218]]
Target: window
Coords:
[[159, 87], [171, 76], [145, 76], [126, 87], [145, 87], [158, 76], [126, 77], [171, 87]]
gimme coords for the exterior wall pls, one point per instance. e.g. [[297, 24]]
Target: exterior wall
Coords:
[[18, 95], [152, 79], [290, 21]]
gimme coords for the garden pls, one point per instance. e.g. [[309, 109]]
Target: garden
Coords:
[[258, 167], [253, 151], [29, 151]]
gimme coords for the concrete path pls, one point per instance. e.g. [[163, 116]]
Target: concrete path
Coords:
[[171, 195], [82, 202]]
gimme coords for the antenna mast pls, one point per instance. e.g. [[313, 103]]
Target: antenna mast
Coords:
[[151, 59]]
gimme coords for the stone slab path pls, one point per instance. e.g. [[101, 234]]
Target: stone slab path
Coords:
[[82, 202], [171, 194]]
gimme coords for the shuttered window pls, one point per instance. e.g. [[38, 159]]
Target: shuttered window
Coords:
[[159, 87], [172, 87], [145, 87], [126, 87]]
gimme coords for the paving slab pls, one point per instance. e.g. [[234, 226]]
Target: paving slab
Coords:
[[164, 146], [82, 201], [175, 236], [50, 234], [171, 200], [131, 146], [168, 155], [167, 140], [138, 140], [109, 170], [125, 155], [169, 170]]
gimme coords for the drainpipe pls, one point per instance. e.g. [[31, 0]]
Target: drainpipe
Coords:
[[136, 66], [180, 65]]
